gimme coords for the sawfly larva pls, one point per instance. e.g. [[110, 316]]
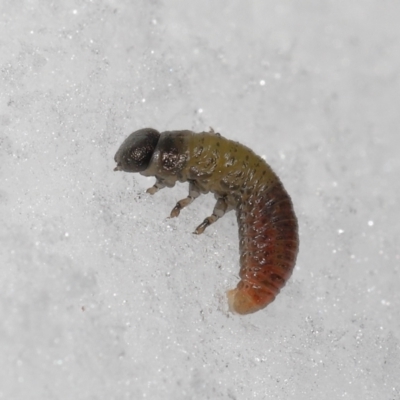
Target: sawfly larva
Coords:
[[241, 181]]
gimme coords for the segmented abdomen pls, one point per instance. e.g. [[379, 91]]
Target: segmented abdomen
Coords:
[[269, 244]]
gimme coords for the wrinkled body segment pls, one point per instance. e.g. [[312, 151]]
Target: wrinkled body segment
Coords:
[[240, 181]]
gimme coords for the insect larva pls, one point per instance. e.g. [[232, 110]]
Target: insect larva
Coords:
[[240, 180]]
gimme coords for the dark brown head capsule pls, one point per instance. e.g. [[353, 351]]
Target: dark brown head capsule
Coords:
[[135, 152]]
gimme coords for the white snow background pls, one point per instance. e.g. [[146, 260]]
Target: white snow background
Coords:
[[101, 295]]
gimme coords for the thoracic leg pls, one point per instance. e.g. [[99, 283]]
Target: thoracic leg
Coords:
[[194, 193], [219, 210], [156, 187]]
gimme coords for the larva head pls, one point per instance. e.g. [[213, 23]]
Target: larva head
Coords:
[[135, 152]]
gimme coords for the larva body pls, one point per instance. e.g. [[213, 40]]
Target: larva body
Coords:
[[241, 181]]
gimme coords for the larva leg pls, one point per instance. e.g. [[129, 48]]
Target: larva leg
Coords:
[[194, 193], [156, 187], [219, 211]]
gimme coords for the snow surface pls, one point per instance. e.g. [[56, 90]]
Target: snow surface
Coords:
[[102, 296]]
